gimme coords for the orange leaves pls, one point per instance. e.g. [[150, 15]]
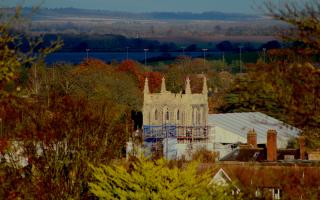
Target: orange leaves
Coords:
[[93, 65], [280, 52], [154, 79], [129, 66], [133, 68]]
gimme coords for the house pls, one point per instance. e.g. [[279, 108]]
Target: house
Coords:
[[221, 178], [271, 180], [269, 152], [269, 172], [314, 155], [229, 130]]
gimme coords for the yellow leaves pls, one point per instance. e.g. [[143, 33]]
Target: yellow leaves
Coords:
[[149, 180], [8, 61]]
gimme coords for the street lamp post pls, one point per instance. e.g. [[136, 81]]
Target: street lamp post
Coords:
[[240, 56], [127, 56], [87, 50], [204, 56], [183, 48], [223, 60], [145, 56]]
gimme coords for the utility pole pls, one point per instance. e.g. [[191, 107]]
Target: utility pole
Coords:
[[127, 53], [183, 57], [183, 48], [87, 50], [240, 56], [145, 56], [204, 57], [223, 61]]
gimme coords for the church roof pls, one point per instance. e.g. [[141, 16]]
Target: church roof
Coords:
[[241, 123]]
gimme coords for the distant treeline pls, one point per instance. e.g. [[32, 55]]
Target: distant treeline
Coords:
[[211, 15], [118, 43], [180, 27]]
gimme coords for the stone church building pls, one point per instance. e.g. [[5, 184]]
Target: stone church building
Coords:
[[175, 125], [178, 121]]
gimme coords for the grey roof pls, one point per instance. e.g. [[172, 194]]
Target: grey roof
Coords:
[[245, 155], [241, 123]]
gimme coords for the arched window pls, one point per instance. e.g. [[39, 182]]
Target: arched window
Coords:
[[178, 115], [165, 114], [198, 116], [183, 118], [156, 114]]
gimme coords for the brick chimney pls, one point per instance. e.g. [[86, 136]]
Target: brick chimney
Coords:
[[252, 138], [271, 145], [302, 142]]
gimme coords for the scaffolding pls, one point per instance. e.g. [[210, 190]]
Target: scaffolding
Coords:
[[181, 133], [155, 135]]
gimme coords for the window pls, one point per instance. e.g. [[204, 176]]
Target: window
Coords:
[[258, 193], [277, 193], [178, 115], [272, 193], [198, 117], [167, 115], [156, 114]]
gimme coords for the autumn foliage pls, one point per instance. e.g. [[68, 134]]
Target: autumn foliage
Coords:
[[57, 142], [145, 179], [135, 70]]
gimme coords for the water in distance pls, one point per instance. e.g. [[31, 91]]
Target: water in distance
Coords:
[[78, 57]]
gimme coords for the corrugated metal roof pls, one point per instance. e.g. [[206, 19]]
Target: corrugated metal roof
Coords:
[[241, 123]]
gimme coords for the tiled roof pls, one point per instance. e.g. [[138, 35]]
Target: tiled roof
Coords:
[[245, 155], [287, 176], [241, 123], [258, 154]]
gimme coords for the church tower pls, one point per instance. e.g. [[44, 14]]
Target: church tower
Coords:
[[182, 117]]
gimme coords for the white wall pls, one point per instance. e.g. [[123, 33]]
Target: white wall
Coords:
[[186, 150], [222, 140], [220, 135]]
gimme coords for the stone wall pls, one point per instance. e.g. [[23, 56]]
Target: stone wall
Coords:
[[178, 109]]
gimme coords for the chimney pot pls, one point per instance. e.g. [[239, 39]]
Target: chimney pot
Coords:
[[302, 142], [271, 145], [252, 138]]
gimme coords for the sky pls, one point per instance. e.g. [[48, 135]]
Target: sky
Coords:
[[235, 6]]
